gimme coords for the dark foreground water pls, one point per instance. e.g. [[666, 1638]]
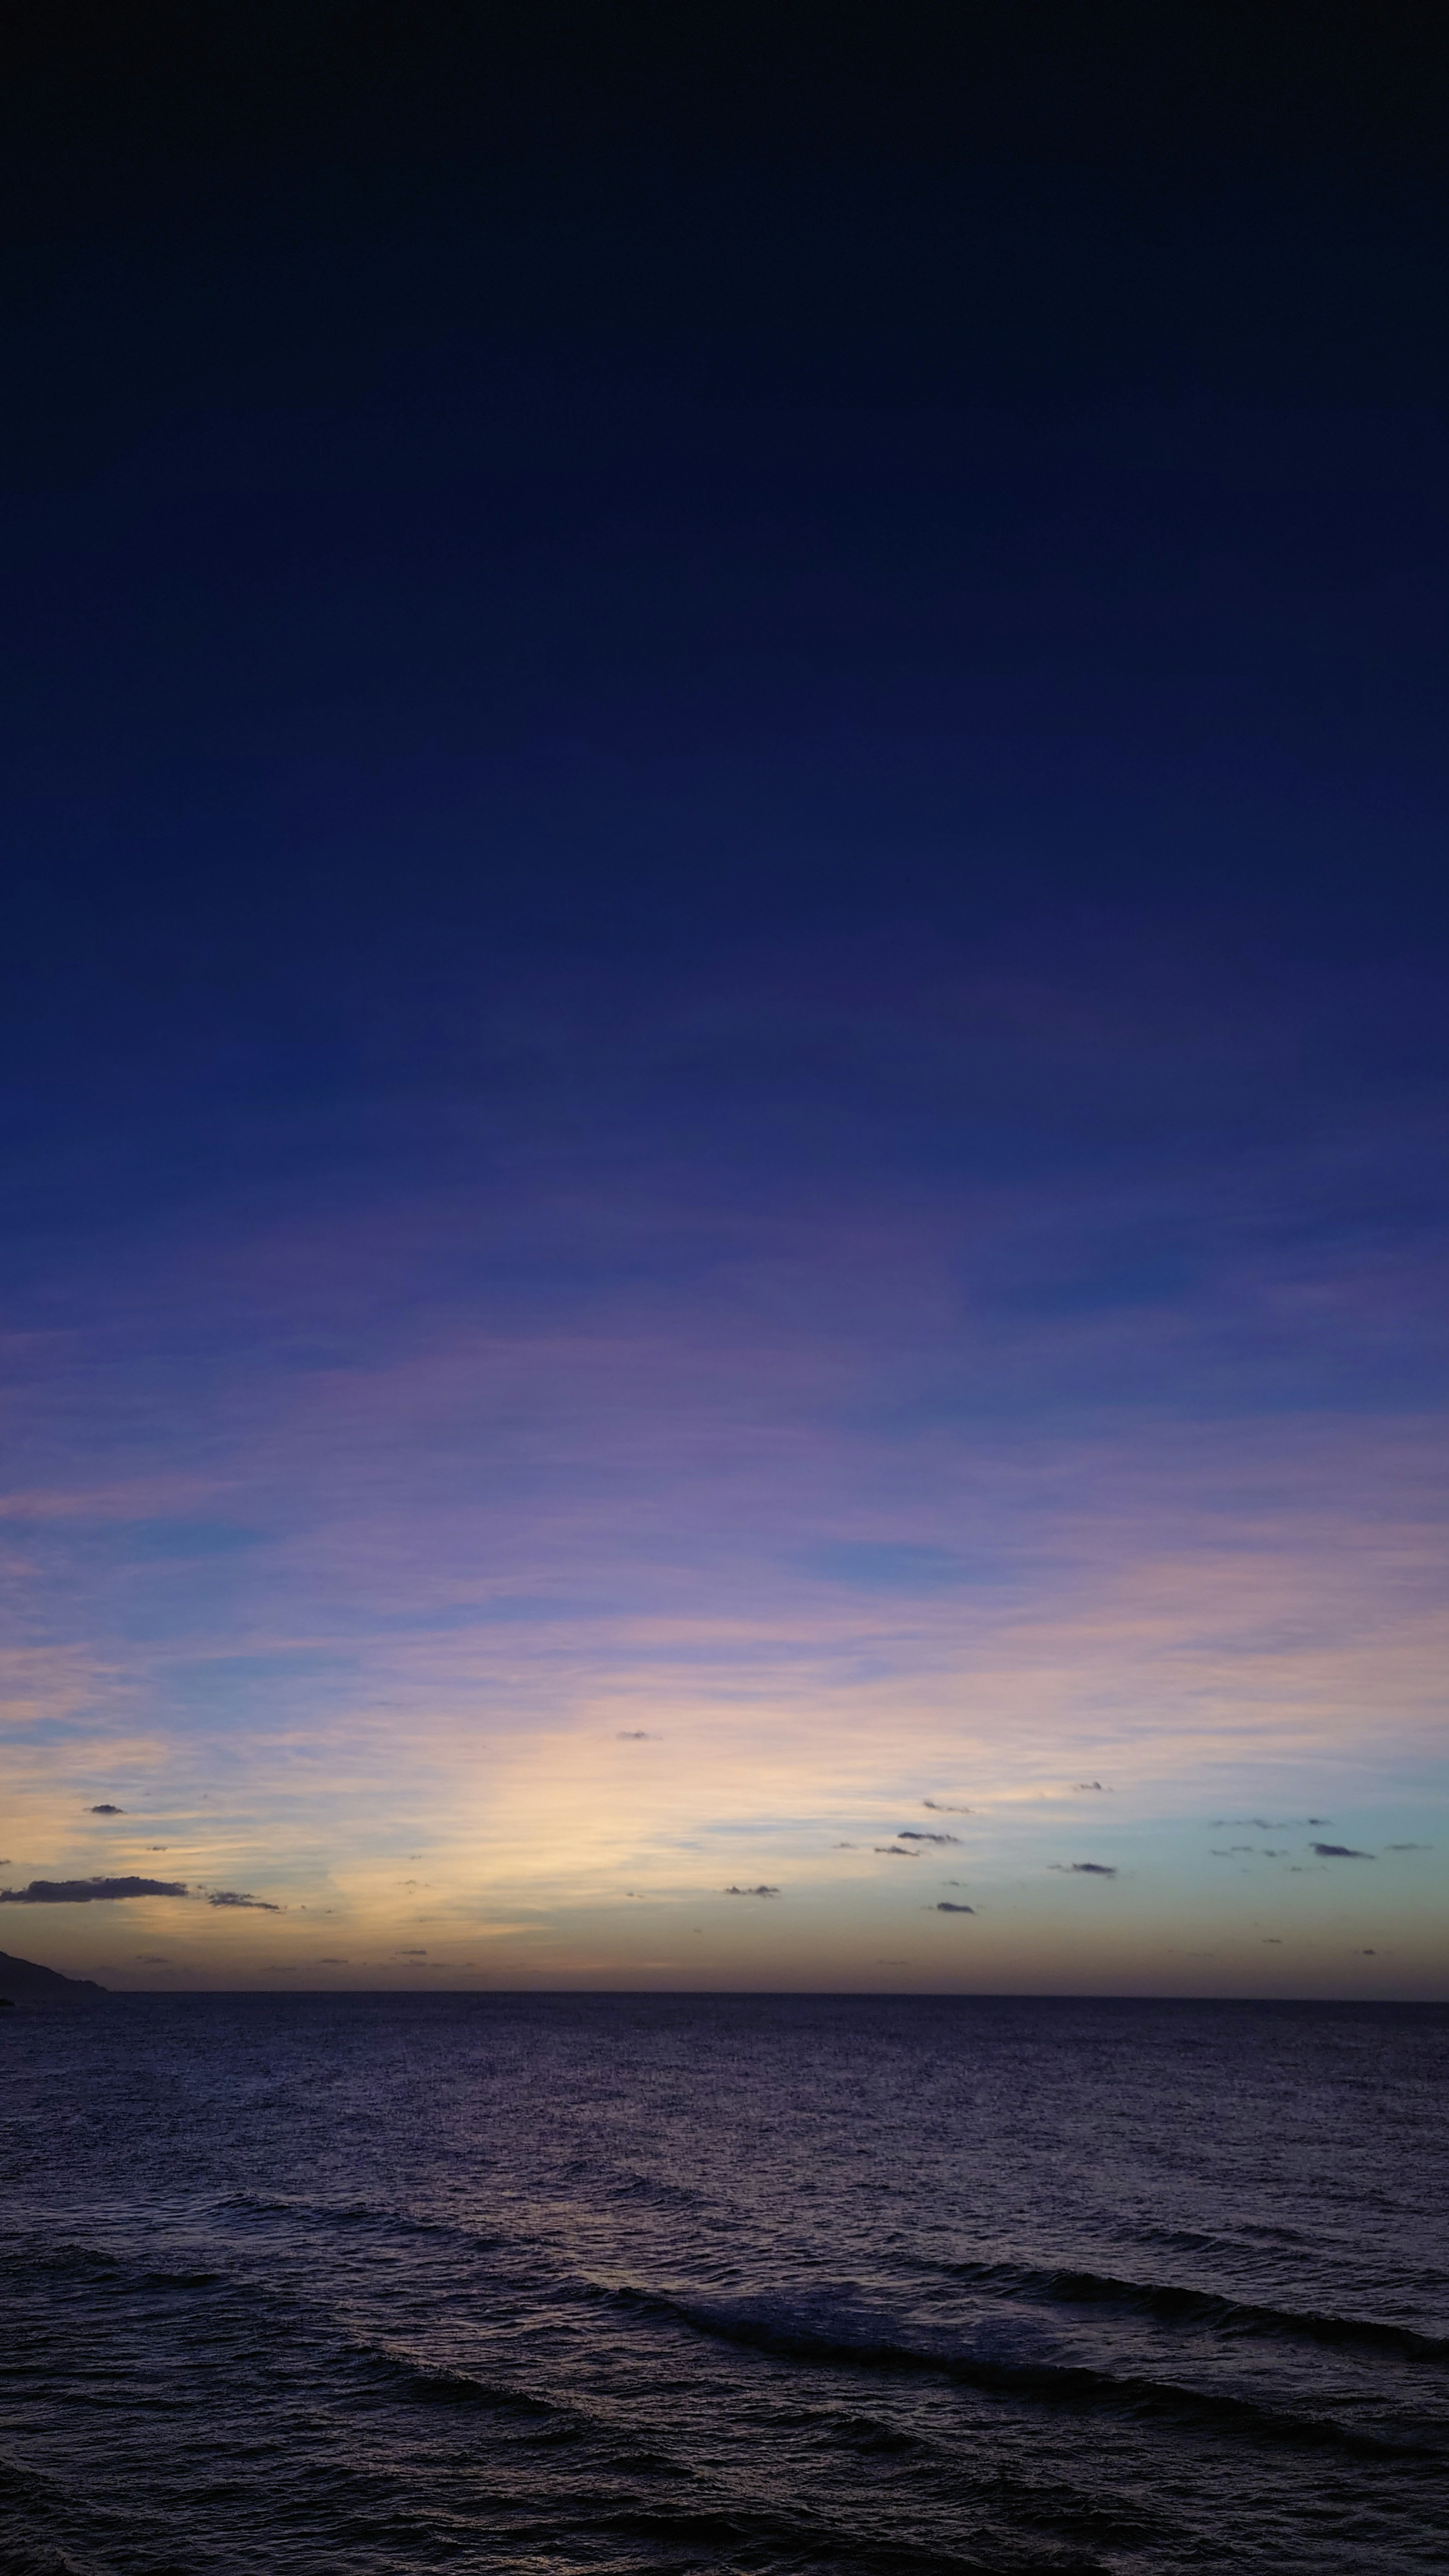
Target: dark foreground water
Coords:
[[394, 2283]]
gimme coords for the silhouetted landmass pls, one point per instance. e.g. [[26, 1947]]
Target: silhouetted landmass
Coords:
[[45, 1989]]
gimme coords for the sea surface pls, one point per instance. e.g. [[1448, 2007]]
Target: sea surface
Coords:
[[392, 2283]]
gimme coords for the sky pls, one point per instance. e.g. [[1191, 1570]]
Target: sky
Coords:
[[725, 1070]]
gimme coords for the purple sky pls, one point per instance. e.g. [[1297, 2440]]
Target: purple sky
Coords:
[[726, 1090]]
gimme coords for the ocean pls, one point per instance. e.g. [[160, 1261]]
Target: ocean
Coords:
[[384, 2283]]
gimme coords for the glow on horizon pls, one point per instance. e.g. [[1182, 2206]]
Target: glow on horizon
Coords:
[[498, 1651]]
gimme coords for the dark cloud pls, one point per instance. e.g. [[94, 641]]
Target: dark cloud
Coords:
[[913, 1834], [234, 1896], [1339, 1851], [750, 1891], [946, 1907], [152, 1959], [1088, 1784], [87, 1891], [634, 1735], [409, 1954], [1084, 1868], [1387, 1847], [939, 1808], [1272, 1941], [896, 1851], [334, 1963], [1264, 1824], [1368, 1954], [108, 1811]]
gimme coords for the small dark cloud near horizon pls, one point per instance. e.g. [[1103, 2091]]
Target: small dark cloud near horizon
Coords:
[[1264, 1824], [946, 1907], [1272, 1941], [1368, 1954], [1339, 1851], [88, 1891], [238, 1896], [895, 1851], [107, 1810], [152, 1959], [1084, 1868], [750, 1891], [409, 1954], [334, 1963], [635, 1735], [939, 1807], [1395, 1847], [1080, 1785], [915, 1834]]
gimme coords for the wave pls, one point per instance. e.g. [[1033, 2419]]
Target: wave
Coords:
[[30, 2494], [1062, 2384], [1172, 2305], [344, 2213]]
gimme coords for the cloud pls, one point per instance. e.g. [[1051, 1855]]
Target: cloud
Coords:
[[1084, 1868], [87, 1891], [1089, 1784], [334, 1963], [1265, 1824], [108, 1810], [750, 1891], [939, 1807], [1368, 1954], [152, 1959], [634, 1735], [1408, 1846], [1339, 1851], [896, 1851], [912, 1834], [409, 1954], [234, 1896], [946, 1907]]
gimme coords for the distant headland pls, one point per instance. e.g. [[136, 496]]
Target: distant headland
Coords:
[[22, 1982]]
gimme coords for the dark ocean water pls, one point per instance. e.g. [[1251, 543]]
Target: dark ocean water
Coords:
[[405, 2282]]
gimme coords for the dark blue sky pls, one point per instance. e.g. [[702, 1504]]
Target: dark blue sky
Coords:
[[727, 728]]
